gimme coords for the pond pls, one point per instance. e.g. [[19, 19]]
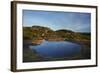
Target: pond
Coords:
[[57, 49]]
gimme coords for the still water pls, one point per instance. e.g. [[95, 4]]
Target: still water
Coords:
[[57, 49]]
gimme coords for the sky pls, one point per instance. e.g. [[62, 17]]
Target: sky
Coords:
[[56, 20]]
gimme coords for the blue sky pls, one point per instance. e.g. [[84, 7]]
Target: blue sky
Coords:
[[75, 21]]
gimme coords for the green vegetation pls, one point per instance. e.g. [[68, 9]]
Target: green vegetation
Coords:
[[38, 33], [27, 33]]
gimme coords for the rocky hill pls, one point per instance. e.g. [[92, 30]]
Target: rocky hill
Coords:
[[35, 32]]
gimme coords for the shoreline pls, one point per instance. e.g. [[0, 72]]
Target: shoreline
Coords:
[[84, 54]]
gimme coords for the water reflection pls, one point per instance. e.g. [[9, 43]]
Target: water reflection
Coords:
[[55, 49]]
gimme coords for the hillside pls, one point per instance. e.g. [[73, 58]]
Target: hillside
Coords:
[[47, 33]]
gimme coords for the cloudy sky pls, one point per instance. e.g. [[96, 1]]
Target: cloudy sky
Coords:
[[75, 21]]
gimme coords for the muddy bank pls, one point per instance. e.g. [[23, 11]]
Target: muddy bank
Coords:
[[30, 55]]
